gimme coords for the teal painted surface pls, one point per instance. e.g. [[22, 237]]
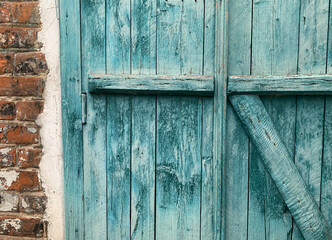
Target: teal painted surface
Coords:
[[281, 85], [237, 141], [276, 38], [72, 131], [279, 164], [137, 148], [152, 84], [310, 110], [94, 138], [161, 167], [143, 198], [219, 118]]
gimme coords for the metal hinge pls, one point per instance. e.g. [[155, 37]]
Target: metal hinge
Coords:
[[84, 107]]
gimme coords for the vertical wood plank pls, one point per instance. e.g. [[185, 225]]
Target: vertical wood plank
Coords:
[[143, 38], [207, 197], [326, 193], [282, 110], [143, 168], [118, 36], [237, 142], [262, 45], [119, 121], [274, 54], [118, 166], [191, 37], [93, 61], [219, 117], [72, 132], [237, 178], [209, 37], [169, 36], [179, 51], [310, 110], [178, 168]]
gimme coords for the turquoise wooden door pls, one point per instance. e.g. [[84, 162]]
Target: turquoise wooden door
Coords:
[[287, 42], [146, 115], [149, 169]]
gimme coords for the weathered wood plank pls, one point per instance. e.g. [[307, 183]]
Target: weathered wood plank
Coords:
[[275, 41], [282, 110], [178, 168], [143, 36], [310, 110], [261, 63], [143, 168], [72, 132], [326, 193], [219, 117], [237, 140], [180, 52], [281, 85], [152, 84], [119, 111], [143, 45], [237, 177], [207, 196], [93, 59], [118, 40], [118, 166], [278, 220], [169, 36], [280, 165]]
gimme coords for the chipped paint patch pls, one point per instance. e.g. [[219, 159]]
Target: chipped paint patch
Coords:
[[5, 151], [8, 202], [7, 178], [32, 129], [7, 224]]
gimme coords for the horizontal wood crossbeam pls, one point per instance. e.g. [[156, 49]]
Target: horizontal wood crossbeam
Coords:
[[281, 167], [281, 85], [152, 84]]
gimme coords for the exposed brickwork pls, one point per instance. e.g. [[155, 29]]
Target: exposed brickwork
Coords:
[[33, 204], [23, 71], [21, 86], [19, 226], [28, 110], [29, 157]]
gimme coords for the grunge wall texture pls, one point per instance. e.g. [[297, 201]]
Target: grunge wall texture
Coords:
[[30, 124]]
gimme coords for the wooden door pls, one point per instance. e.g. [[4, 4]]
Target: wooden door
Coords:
[[288, 42], [149, 169], [145, 115]]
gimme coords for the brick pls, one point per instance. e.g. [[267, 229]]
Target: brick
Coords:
[[21, 227], [13, 180], [19, 134], [29, 110], [7, 110], [30, 63], [21, 86], [7, 156], [14, 37], [8, 202], [26, 12], [6, 62], [33, 204], [5, 12], [29, 157]]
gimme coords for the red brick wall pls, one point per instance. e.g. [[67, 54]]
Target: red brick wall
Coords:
[[23, 71]]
